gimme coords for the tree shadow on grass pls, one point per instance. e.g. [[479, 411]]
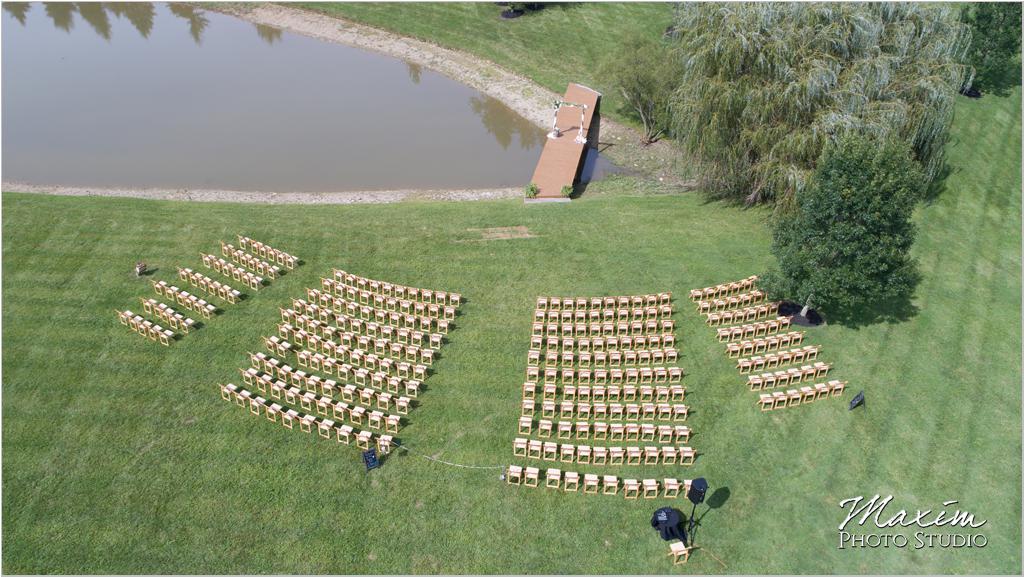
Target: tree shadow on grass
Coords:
[[1003, 82], [938, 185], [890, 312]]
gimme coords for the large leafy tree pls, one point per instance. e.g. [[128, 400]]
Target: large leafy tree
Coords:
[[846, 247], [642, 71], [995, 43], [764, 86]]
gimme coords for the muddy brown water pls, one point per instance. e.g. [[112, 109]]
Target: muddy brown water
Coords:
[[171, 96]]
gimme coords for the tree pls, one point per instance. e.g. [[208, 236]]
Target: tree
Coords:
[[846, 247], [995, 44], [642, 71], [763, 86]]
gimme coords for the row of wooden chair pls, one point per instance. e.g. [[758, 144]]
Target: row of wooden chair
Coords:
[[342, 344], [388, 289], [592, 484], [145, 327], [345, 323], [360, 360], [603, 303], [250, 261], [744, 315], [602, 393], [603, 344], [176, 320], [772, 360], [366, 313], [183, 298], [801, 396], [229, 269], [325, 427], [627, 376], [790, 376], [618, 329], [277, 346], [610, 411], [602, 430], [268, 252], [380, 345], [216, 288], [390, 304], [359, 375], [753, 330], [763, 338], [311, 400], [336, 354], [607, 315], [599, 455], [386, 389], [324, 388], [603, 359], [741, 300], [724, 289], [764, 344]]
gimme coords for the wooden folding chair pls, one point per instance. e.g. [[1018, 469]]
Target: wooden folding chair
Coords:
[[514, 475], [552, 478], [679, 552], [572, 482]]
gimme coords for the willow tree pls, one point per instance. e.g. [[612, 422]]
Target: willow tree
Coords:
[[764, 86]]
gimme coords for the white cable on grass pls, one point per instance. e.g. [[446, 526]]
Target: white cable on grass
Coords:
[[428, 457]]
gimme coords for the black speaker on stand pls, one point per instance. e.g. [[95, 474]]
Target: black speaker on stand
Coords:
[[698, 488]]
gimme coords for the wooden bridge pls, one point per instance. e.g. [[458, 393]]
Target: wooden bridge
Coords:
[[561, 161]]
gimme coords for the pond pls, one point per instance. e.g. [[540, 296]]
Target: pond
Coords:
[[171, 96]]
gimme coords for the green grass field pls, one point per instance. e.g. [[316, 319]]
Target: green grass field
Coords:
[[119, 455], [562, 41]]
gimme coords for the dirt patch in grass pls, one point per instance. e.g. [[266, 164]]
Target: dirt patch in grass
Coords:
[[502, 233]]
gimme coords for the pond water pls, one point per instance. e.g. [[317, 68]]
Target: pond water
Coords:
[[170, 96]]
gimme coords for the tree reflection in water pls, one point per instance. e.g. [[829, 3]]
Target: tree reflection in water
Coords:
[[503, 123], [141, 15]]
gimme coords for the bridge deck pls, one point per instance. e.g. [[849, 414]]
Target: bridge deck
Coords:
[[562, 158]]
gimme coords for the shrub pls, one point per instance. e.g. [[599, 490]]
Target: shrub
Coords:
[[642, 71], [532, 190], [847, 244], [567, 190], [995, 44]]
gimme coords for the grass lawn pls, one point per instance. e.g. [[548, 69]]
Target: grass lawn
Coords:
[[119, 455], [562, 41]]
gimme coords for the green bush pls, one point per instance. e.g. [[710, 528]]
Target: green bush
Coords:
[[642, 70], [995, 44], [567, 191], [846, 248], [532, 190]]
